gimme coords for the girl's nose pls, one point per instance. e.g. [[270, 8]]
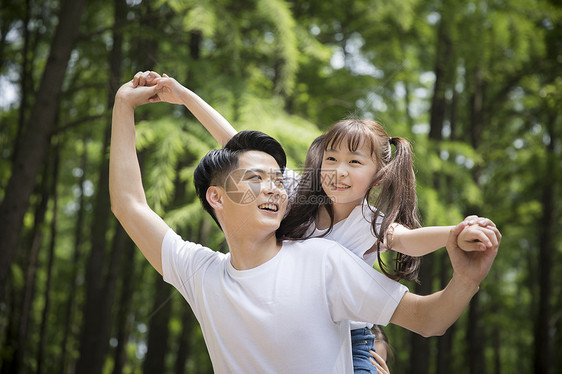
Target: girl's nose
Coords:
[[341, 171]]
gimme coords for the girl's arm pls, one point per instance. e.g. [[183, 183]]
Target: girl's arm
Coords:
[[424, 240], [171, 91], [416, 242]]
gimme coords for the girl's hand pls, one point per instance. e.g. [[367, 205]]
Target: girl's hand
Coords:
[[472, 239], [476, 238], [145, 78], [379, 363], [482, 221]]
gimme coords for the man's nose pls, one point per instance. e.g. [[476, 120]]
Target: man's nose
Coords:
[[270, 186]]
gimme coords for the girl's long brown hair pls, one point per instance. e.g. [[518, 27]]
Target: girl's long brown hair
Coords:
[[395, 200]]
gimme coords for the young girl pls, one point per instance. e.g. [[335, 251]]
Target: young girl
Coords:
[[351, 164], [342, 169]]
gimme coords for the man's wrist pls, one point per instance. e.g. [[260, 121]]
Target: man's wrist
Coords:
[[124, 103], [467, 284]]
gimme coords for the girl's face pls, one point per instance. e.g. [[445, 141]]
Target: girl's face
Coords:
[[346, 176]]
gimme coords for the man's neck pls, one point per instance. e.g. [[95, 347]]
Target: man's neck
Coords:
[[249, 251]]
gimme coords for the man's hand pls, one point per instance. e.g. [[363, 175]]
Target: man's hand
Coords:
[[472, 267]]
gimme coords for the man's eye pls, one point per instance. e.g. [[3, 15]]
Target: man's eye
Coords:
[[255, 178], [279, 183]]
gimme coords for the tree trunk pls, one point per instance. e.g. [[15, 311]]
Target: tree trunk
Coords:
[[50, 261], [158, 332], [97, 312], [24, 79], [420, 347], [34, 143], [77, 255], [188, 320], [29, 293], [475, 334], [542, 354], [126, 298], [445, 342], [476, 110], [183, 346], [99, 290], [475, 337], [442, 80]]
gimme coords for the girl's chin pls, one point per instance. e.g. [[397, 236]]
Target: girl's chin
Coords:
[[342, 201]]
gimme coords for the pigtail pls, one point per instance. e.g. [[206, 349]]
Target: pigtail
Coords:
[[397, 199]]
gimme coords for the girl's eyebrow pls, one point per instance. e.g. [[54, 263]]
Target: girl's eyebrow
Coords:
[[359, 153], [355, 153]]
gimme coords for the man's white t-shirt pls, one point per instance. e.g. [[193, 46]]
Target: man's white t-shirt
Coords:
[[288, 315]]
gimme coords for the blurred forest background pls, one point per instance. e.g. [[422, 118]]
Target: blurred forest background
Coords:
[[475, 85]]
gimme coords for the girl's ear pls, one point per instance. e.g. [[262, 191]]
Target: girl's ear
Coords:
[[214, 197]]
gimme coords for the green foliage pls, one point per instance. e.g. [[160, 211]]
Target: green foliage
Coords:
[[291, 69]]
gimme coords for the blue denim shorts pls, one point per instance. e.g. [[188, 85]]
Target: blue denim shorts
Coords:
[[362, 342]]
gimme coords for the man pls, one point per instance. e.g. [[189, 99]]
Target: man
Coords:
[[271, 306]]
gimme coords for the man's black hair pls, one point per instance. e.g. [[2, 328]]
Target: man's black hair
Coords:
[[216, 165], [258, 141]]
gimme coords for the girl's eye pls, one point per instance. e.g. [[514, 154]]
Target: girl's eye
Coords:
[[355, 162], [330, 158]]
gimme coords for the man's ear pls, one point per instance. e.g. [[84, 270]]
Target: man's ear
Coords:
[[214, 197]]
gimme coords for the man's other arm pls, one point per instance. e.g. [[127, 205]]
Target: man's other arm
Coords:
[[433, 314], [128, 199]]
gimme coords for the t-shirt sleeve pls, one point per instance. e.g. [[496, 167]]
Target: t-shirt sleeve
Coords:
[[183, 263], [358, 292]]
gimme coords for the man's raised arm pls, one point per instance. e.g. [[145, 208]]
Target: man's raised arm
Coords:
[[128, 200], [434, 314]]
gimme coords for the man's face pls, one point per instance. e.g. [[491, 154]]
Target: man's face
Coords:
[[254, 193]]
